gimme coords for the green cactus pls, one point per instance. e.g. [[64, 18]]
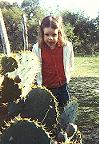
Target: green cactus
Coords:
[[9, 90], [9, 93], [17, 73], [28, 67], [36, 103], [25, 66], [8, 64], [41, 105], [3, 111], [25, 131]]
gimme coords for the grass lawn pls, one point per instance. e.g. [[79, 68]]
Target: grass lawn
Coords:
[[86, 67], [84, 85]]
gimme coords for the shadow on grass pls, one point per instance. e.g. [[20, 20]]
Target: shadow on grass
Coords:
[[86, 90]]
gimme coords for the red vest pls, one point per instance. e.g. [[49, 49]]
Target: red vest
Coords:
[[52, 67]]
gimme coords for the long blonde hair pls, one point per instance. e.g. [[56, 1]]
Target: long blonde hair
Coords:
[[54, 23]]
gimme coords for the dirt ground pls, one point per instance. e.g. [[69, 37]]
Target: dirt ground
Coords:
[[86, 90]]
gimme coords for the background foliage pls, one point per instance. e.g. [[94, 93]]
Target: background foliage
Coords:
[[83, 32]]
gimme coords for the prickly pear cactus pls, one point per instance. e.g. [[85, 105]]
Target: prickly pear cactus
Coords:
[[41, 105], [9, 90], [25, 131], [3, 110], [8, 64], [9, 93], [24, 65], [77, 138], [17, 96], [17, 73], [28, 67]]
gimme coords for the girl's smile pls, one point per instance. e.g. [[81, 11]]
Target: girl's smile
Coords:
[[50, 37]]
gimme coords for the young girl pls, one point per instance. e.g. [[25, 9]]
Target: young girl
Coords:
[[56, 56]]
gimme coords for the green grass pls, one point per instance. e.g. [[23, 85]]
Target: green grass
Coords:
[[84, 85], [86, 66]]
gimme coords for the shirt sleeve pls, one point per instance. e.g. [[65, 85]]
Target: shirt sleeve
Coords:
[[37, 52], [35, 49], [71, 57]]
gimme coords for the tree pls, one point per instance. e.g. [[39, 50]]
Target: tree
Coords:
[[30, 7], [34, 15], [69, 21], [85, 31], [97, 26], [12, 18], [5, 4]]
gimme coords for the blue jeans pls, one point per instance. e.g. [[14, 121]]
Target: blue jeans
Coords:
[[61, 94]]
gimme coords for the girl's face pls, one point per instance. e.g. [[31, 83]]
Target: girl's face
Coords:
[[50, 37]]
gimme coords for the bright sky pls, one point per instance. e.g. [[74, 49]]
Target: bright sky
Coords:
[[89, 7]]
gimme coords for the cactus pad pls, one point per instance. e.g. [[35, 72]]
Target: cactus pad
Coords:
[[41, 105], [9, 90], [24, 132], [28, 67], [8, 64]]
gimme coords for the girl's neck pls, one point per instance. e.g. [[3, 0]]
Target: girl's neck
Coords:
[[53, 47], [46, 46]]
